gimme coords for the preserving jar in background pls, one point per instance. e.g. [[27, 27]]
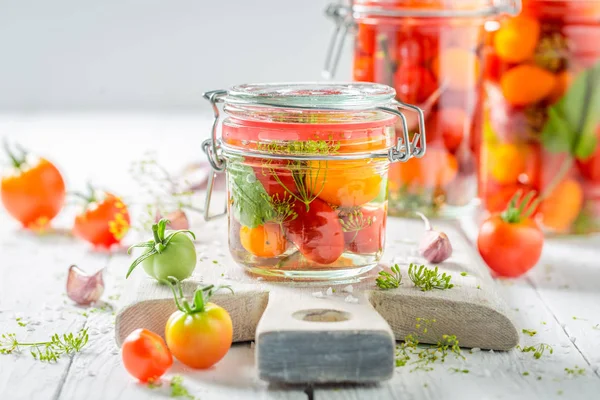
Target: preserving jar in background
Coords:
[[541, 125], [431, 53]]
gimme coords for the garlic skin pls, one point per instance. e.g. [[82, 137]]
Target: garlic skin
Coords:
[[177, 220], [84, 289], [435, 247]]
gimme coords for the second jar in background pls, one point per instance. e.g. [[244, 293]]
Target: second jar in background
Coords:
[[542, 114], [431, 53]]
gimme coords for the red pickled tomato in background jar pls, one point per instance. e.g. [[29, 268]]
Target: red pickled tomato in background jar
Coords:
[[448, 125], [414, 84]]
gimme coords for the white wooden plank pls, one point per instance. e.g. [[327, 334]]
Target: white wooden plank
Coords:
[[98, 372], [32, 286], [495, 375]]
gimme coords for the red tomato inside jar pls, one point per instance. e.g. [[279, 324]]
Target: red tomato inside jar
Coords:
[[542, 114], [431, 53], [307, 167]]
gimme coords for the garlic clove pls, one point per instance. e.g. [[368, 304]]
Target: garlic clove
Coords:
[[435, 247], [177, 220], [82, 288]]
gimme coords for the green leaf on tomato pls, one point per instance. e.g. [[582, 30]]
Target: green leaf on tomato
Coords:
[[572, 121], [250, 205]]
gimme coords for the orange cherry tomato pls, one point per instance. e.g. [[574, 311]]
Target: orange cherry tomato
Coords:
[[436, 169], [346, 183], [506, 162], [560, 208], [34, 193], [517, 39], [363, 70], [104, 221], [511, 243], [263, 241], [199, 334], [364, 229], [145, 355]]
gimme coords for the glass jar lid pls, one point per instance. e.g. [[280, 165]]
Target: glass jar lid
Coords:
[[434, 8], [312, 95]]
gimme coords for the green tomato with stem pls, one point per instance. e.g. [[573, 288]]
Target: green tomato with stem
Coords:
[[169, 253]]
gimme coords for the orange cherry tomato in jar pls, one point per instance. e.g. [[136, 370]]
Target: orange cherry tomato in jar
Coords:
[[364, 229], [263, 241], [436, 169], [365, 38], [34, 193], [363, 70], [104, 221], [345, 183], [511, 243], [316, 231], [199, 334], [145, 355]]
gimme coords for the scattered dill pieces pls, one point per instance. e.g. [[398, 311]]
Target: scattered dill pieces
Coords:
[[459, 371], [579, 319], [543, 322], [428, 279], [20, 321], [539, 378], [421, 357], [596, 327], [463, 274], [575, 371], [114, 297], [49, 351], [525, 373], [479, 287], [154, 384], [530, 332], [178, 390], [215, 262], [537, 350], [385, 280]]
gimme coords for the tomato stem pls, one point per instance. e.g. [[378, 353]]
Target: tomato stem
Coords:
[[201, 296], [517, 210], [16, 162]]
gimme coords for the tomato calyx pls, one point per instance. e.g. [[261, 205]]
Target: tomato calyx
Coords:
[[158, 244], [519, 209], [200, 299], [90, 197], [16, 161]]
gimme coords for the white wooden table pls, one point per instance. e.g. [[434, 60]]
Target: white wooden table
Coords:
[[560, 298]]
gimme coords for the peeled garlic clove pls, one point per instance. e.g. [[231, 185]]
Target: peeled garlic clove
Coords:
[[435, 247], [84, 289]]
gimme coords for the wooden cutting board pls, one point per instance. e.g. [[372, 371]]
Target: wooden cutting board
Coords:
[[342, 332]]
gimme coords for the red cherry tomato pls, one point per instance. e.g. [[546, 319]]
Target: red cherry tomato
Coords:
[[364, 230], [104, 221], [414, 84], [145, 355], [449, 124], [365, 38], [590, 167], [511, 243], [34, 193], [276, 178], [316, 231]]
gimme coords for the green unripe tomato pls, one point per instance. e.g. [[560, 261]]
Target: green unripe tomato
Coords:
[[167, 254], [178, 259]]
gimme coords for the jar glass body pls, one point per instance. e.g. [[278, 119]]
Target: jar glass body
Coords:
[[307, 219], [434, 62], [541, 124]]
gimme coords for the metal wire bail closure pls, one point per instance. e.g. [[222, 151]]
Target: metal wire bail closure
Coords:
[[342, 17], [404, 149]]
